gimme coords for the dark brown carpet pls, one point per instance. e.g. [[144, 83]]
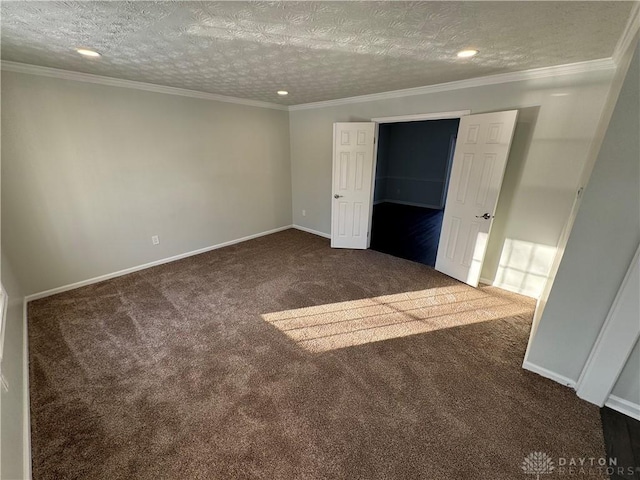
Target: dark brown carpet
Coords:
[[281, 358]]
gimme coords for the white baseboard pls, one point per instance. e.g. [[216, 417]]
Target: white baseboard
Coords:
[[511, 288], [101, 278], [26, 398], [309, 230], [616, 403], [556, 377], [486, 281], [624, 406]]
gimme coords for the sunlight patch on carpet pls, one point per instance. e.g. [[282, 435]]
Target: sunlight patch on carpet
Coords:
[[345, 324]]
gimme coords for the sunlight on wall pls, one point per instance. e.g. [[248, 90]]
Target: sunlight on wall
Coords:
[[524, 266], [338, 325]]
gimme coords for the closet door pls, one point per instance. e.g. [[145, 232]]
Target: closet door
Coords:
[[478, 167]]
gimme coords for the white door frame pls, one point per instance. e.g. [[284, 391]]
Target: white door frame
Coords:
[[418, 117], [422, 116], [616, 340]]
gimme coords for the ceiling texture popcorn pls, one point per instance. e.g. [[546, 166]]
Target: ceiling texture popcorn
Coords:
[[315, 50]]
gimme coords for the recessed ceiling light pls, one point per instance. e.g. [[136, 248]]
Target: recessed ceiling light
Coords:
[[467, 53], [87, 53], [283, 92]]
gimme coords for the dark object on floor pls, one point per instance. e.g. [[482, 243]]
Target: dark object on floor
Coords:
[[281, 358], [622, 441], [406, 231]]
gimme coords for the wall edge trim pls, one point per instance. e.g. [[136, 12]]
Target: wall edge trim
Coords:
[[155, 263], [602, 64], [556, 377], [310, 230], [588, 66], [26, 397], [419, 117], [603, 343], [29, 69], [622, 405], [628, 34], [512, 289]]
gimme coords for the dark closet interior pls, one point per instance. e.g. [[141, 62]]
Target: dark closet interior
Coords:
[[412, 175]]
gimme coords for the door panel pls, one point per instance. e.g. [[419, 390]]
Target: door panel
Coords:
[[478, 167], [352, 184]]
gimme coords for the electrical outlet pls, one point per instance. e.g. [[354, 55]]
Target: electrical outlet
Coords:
[[155, 240], [304, 213]]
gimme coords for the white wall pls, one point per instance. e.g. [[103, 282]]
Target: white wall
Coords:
[[91, 172], [538, 193], [603, 241], [12, 402]]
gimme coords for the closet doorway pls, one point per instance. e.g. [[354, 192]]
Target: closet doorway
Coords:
[[413, 166]]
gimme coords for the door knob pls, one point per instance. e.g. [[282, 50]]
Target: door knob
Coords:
[[337, 196], [486, 216]]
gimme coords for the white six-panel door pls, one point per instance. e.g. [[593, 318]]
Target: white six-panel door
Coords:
[[353, 148], [478, 166]]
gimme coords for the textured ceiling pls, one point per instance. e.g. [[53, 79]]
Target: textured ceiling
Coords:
[[316, 50]]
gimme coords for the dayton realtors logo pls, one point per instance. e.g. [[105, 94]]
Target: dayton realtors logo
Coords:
[[538, 463]]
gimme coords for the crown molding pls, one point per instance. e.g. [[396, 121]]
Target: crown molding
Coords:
[[117, 82], [589, 66], [628, 34]]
